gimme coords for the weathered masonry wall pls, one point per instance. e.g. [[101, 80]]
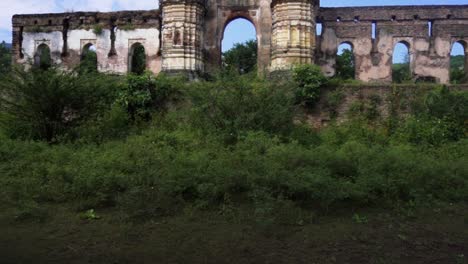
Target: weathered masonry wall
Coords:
[[429, 32], [112, 34], [186, 35], [374, 101]]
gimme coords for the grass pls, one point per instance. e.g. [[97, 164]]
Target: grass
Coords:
[[437, 235]]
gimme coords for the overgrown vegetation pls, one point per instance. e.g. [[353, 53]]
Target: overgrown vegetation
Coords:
[[345, 65], [138, 65], [152, 146], [457, 69], [242, 58], [98, 30], [5, 58]]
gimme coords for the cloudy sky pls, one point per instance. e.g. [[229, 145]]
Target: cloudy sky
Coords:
[[238, 31]]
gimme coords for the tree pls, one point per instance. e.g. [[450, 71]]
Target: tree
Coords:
[[5, 58], [139, 60], [457, 69], [46, 104], [88, 63], [345, 67], [242, 57], [309, 80], [401, 72]]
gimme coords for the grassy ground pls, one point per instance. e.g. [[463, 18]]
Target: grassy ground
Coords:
[[435, 235]]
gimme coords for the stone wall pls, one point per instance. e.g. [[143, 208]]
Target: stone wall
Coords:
[[112, 34], [429, 32], [374, 101]]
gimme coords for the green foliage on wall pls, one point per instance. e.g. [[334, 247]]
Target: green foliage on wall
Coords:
[[309, 79]]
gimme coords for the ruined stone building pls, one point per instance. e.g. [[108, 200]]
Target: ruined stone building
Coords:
[[186, 36]]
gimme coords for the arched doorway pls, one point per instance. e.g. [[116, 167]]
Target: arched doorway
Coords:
[[42, 58], [401, 63], [89, 62], [458, 67], [137, 59], [345, 63], [239, 46]]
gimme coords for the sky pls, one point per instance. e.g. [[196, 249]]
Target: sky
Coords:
[[237, 31]]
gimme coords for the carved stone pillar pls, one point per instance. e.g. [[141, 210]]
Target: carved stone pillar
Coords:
[[182, 35], [293, 38]]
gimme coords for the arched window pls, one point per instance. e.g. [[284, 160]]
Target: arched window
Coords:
[[239, 46], [42, 57], [345, 65], [458, 67], [137, 59], [89, 62], [401, 63]]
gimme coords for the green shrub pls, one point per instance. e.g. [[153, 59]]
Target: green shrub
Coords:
[[144, 94], [46, 104], [97, 29], [128, 27], [233, 107], [5, 59], [309, 79], [233, 142]]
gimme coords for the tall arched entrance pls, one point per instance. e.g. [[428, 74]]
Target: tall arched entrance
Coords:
[[220, 14], [239, 46]]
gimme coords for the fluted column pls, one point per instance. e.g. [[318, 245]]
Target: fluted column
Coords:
[[293, 38], [182, 35]]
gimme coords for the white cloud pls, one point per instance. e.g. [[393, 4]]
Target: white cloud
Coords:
[[137, 5], [10, 7]]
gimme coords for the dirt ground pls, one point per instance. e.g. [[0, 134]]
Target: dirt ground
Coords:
[[435, 235]]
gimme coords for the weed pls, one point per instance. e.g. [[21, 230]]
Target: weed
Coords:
[[98, 30]]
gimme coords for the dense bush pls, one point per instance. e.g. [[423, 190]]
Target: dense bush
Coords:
[[231, 142], [231, 107], [5, 59], [309, 79], [143, 94], [164, 169], [439, 117], [345, 65], [45, 104]]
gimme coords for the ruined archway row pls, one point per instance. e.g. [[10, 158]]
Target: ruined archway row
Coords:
[[186, 36], [68, 35], [429, 33]]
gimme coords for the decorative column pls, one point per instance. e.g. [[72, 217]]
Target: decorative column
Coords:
[[182, 36], [293, 38]]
